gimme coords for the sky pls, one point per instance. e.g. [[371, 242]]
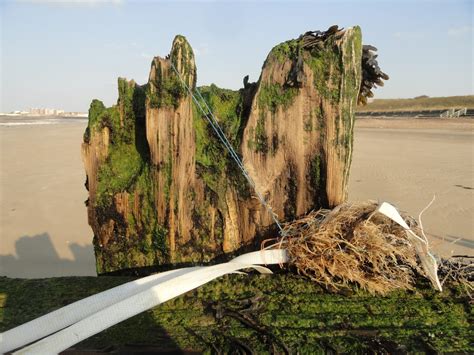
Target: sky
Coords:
[[63, 54]]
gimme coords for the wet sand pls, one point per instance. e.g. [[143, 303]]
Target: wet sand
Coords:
[[43, 220]]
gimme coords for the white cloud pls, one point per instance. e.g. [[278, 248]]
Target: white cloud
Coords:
[[459, 31]]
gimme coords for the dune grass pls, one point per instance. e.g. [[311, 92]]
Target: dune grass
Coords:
[[420, 103]]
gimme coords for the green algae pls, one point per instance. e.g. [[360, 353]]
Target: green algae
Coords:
[[215, 167], [285, 50], [212, 157], [139, 239], [127, 164], [271, 96], [327, 71], [96, 109], [117, 174], [165, 90], [143, 240], [264, 313], [261, 140], [128, 152], [182, 57]]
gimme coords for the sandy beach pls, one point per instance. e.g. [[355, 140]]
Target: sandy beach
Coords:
[[43, 221], [407, 162]]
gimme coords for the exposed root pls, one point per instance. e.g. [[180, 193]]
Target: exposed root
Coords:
[[353, 244], [459, 269]]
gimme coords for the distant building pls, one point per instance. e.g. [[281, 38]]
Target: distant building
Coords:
[[45, 111], [41, 111]]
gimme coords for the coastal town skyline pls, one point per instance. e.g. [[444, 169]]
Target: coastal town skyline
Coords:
[[43, 111]]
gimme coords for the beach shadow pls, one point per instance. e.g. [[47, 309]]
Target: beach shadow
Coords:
[[24, 300], [36, 257]]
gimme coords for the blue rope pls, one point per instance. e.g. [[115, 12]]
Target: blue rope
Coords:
[[211, 119]]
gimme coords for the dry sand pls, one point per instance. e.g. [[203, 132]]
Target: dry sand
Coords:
[[43, 221], [407, 161]]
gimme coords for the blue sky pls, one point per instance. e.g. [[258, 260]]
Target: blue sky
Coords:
[[63, 54]]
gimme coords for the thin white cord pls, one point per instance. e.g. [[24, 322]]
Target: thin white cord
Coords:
[[421, 213]]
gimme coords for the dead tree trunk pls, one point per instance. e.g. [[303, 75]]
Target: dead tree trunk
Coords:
[[164, 190]]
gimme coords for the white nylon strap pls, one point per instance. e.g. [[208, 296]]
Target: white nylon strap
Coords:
[[421, 245], [141, 295], [70, 314]]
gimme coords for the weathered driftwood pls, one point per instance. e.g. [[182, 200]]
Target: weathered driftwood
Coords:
[[279, 313], [163, 190]]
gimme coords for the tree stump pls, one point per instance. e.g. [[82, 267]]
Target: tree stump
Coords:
[[163, 189]]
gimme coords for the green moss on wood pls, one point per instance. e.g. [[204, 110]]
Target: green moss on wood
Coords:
[[260, 138], [182, 57], [96, 109], [166, 89], [271, 96], [118, 172], [285, 50], [326, 65], [138, 239], [211, 156]]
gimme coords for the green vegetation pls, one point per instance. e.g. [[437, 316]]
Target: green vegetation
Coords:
[[143, 241], [226, 106], [211, 156], [126, 156], [131, 105], [271, 96], [422, 103], [168, 170], [118, 173], [286, 50], [351, 58], [139, 240], [183, 51], [308, 123], [165, 90], [95, 110], [351, 78], [260, 142], [317, 179], [214, 165], [286, 311], [326, 65], [316, 172]]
